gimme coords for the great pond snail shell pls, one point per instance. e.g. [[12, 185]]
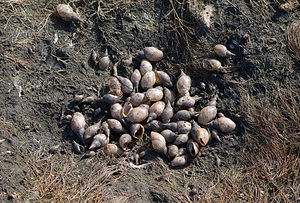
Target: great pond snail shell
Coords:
[[167, 113], [104, 61], [105, 128], [224, 124], [154, 125], [126, 84], [172, 150], [192, 147], [169, 96], [137, 99], [184, 84], [113, 150], [110, 98], [137, 130], [180, 160], [181, 139], [114, 83], [126, 109], [89, 154], [151, 53], [88, 100], [91, 131], [184, 115], [163, 78], [145, 66], [115, 126], [156, 110], [215, 135], [77, 125], [66, 13], [212, 65], [78, 97], [207, 114], [99, 140], [158, 143], [115, 111], [200, 135], [124, 140], [222, 51], [183, 127], [148, 80], [137, 114], [135, 79], [169, 135], [188, 101], [154, 94], [77, 147]]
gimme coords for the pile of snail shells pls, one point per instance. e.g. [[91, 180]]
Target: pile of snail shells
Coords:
[[146, 105]]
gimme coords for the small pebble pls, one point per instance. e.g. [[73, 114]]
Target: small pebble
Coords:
[[27, 127]]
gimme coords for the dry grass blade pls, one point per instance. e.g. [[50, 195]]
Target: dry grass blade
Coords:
[[293, 37], [272, 154]]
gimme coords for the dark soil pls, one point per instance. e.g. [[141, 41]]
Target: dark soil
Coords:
[[40, 76]]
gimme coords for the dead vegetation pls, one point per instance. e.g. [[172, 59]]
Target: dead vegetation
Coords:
[[293, 37]]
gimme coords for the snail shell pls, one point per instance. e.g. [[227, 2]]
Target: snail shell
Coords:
[[115, 126], [158, 143], [78, 97], [137, 130], [169, 96], [114, 83], [110, 98], [137, 114], [135, 79], [192, 147], [224, 124], [127, 61], [180, 160], [169, 135], [99, 140], [104, 61], [156, 110], [215, 135], [94, 57], [91, 131], [66, 13], [154, 94], [183, 127], [124, 140], [184, 115], [167, 113], [105, 128], [181, 139], [151, 53], [222, 51], [200, 135], [145, 66], [115, 111], [213, 101], [207, 114], [137, 99], [148, 80], [126, 84], [188, 101], [127, 108], [88, 100], [88, 154], [154, 125], [172, 126], [163, 78], [173, 150], [77, 125], [212, 65], [184, 84], [113, 150], [77, 147]]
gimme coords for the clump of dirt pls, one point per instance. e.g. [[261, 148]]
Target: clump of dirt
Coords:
[[45, 60]]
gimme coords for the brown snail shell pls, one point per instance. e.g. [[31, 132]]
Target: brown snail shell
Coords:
[[188, 101], [180, 160], [105, 128], [184, 84], [163, 78], [207, 114], [158, 143], [114, 83], [215, 135], [181, 139], [126, 109], [192, 147], [99, 140], [88, 154], [213, 101], [115, 126], [154, 94], [137, 114], [137, 130], [169, 96], [66, 13], [78, 97], [151, 53], [169, 135], [135, 79], [124, 140], [88, 100], [148, 80], [167, 113], [127, 61], [183, 127], [137, 99], [212, 65], [156, 110], [222, 51], [172, 150], [116, 112], [94, 57], [77, 147], [91, 131], [200, 135], [154, 125], [104, 61], [110, 98], [126, 85], [113, 150], [145, 66], [224, 124], [77, 125], [184, 115], [172, 126]]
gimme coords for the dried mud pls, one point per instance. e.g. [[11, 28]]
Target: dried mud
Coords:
[[38, 79]]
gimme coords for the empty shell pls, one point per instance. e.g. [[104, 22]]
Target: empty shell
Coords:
[[184, 84], [77, 125], [66, 13], [104, 61], [154, 94], [151, 53], [124, 140], [145, 66], [207, 114], [163, 78], [167, 113], [137, 130], [158, 143], [222, 51], [156, 110], [224, 124], [137, 114], [99, 140], [115, 126], [154, 125], [113, 150], [169, 135]]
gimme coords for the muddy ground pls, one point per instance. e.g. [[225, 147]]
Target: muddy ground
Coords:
[[45, 61]]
